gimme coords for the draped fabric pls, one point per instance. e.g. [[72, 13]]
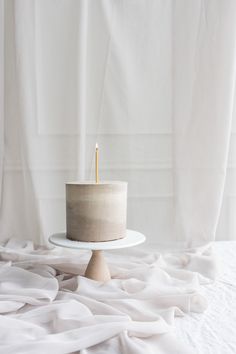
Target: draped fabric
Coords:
[[45, 306], [151, 81], [2, 98], [19, 209], [203, 102]]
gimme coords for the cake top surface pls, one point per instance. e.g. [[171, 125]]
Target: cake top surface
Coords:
[[94, 183]]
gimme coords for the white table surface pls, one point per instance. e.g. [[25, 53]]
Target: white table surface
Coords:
[[133, 238]]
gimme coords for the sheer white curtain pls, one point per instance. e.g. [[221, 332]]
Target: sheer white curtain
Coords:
[[2, 103], [152, 82], [204, 67]]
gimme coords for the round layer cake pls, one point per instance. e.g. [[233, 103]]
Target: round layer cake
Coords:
[[96, 212]]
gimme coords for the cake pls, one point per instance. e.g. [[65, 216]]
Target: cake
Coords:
[[96, 212]]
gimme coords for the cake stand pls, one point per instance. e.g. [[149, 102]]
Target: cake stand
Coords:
[[97, 268]]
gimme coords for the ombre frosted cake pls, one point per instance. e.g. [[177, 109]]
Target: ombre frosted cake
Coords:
[[96, 212]]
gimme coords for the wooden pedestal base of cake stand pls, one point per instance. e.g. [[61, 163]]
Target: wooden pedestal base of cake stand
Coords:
[[97, 268]]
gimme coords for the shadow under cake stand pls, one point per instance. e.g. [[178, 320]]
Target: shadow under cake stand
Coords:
[[97, 268]]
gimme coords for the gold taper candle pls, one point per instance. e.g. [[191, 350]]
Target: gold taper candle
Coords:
[[96, 164]]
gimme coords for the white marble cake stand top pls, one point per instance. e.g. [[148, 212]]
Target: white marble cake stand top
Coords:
[[133, 238]]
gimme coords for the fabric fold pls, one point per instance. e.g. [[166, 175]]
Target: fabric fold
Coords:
[[46, 299]]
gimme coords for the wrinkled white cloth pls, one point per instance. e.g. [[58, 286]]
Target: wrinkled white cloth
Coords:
[[213, 332], [46, 305]]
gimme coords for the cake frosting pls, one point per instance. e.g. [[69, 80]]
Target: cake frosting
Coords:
[[96, 212]]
